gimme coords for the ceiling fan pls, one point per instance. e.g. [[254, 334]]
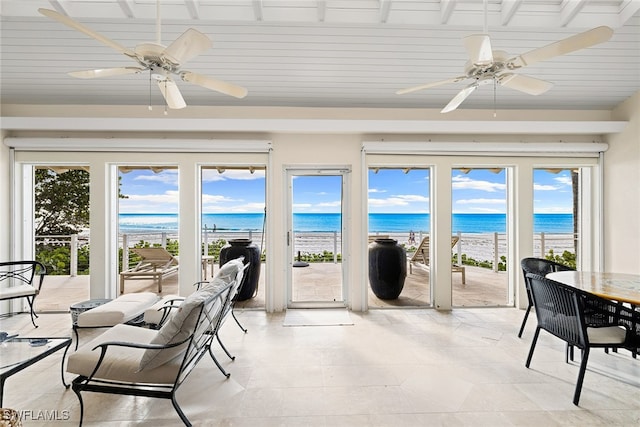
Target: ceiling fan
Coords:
[[162, 62], [486, 65]]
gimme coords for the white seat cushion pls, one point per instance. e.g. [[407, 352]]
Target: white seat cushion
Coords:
[[120, 310], [17, 291], [607, 335], [122, 363]]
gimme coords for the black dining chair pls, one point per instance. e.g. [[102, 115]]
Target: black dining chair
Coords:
[[541, 267], [562, 311]]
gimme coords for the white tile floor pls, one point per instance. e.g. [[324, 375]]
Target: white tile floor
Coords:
[[391, 368]]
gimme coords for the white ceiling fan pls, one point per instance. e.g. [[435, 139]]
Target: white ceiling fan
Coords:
[[486, 65], [162, 62]]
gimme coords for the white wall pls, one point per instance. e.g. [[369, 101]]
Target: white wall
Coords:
[[622, 192]]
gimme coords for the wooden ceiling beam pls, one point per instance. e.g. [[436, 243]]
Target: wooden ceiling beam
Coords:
[[127, 8], [193, 6], [385, 8], [569, 9], [508, 9], [446, 10]]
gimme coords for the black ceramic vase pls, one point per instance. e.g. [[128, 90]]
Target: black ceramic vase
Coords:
[[244, 247], [387, 268]]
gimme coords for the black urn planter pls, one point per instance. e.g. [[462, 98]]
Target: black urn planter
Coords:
[[387, 268], [244, 247]]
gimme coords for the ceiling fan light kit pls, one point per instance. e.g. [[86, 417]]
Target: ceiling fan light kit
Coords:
[[486, 65], [162, 62]]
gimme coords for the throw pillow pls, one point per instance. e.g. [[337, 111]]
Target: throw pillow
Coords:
[[179, 327]]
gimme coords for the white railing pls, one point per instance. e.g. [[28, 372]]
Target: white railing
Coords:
[[74, 241], [482, 247]]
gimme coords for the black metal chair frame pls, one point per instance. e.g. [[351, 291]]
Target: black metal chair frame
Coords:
[[197, 344], [541, 267], [565, 312], [25, 272], [227, 309]]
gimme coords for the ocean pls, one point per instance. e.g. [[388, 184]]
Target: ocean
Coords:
[[378, 223]]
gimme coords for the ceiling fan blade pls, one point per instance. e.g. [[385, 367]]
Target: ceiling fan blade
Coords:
[[79, 27], [479, 49], [189, 45], [214, 84], [430, 85], [459, 98], [171, 94], [525, 84], [571, 44], [105, 72]]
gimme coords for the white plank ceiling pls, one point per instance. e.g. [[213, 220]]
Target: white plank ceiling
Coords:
[[321, 53]]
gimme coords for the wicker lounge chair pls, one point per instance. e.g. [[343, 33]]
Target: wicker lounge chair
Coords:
[[421, 256], [156, 263]]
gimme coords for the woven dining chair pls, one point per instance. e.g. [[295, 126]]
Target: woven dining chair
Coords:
[[540, 267], [561, 311]]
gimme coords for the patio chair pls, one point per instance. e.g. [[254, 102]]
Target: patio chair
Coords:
[[158, 314], [562, 311], [421, 256], [540, 267], [155, 263], [20, 278], [129, 360]]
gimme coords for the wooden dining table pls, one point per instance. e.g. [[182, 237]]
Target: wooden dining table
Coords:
[[621, 287]]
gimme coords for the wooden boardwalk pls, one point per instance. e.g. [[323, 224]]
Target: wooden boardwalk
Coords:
[[318, 281]]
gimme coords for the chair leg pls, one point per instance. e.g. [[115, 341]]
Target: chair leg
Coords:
[[524, 321], [583, 369], [225, 373], [224, 348], [31, 300], [76, 384], [181, 414], [238, 322], [533, 346]]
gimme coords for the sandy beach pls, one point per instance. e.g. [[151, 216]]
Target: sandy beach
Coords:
[[479, 246]]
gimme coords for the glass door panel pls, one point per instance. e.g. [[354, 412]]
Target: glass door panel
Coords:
[[148, 218], [61, 231], [556, 209], [399, 209], [315, 238], [479, 241]]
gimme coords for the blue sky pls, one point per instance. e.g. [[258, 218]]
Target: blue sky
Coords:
[[390, 191]]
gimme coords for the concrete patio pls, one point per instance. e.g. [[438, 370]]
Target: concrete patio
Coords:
[[317, 282]]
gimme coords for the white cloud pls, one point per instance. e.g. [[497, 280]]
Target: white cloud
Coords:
[[150, 203], [486, 210], [212, 175], [482, 201], [375, 190], [465, 183], [169, 177], [544, 187], [329, 204], [399, 200], [563, 180], [243, 208], [553, 210]]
